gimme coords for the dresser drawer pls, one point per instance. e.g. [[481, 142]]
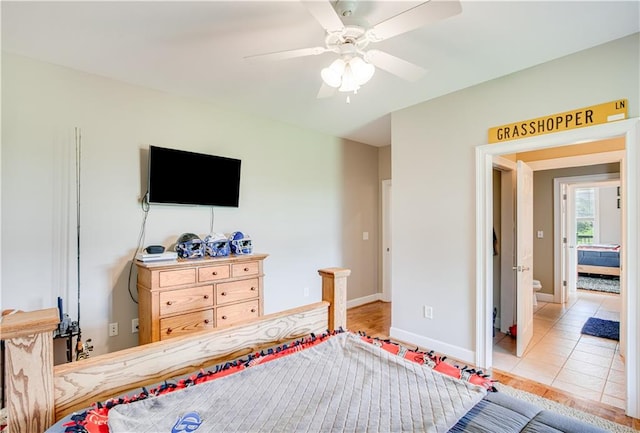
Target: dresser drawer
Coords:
[[237, 291], [185, 296], [230, 314], [213, 273], [186, 324], [178, 277], [245, 269], [192, 298]]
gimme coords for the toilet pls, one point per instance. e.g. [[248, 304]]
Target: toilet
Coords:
[[536, 288]]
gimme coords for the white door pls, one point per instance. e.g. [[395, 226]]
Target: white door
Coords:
[[386, 240], [564, 253], [572, 242], [524, 256]]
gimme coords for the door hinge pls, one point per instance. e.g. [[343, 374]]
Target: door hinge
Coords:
[[564, 240], [564, 196], [564, 283]]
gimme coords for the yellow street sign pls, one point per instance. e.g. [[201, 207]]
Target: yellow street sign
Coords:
[[588, 116]]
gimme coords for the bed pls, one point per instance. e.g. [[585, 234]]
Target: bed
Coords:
[[43, 397], [599, 259]]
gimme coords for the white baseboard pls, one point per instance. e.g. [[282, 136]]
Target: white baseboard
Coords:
[[364, 300], [440, 347], [545, 297]]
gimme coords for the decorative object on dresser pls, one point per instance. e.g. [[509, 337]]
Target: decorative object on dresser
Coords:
[[189, 246], [162, 257], [240, 243], [154, 249], [186, 296], [216, 245]]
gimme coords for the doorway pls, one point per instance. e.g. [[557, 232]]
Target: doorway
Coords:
[[558, 354], [630, 130], [565, 266]]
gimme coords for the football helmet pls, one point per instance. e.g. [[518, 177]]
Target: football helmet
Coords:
[[240, 243], [189, 246], [216, 245]]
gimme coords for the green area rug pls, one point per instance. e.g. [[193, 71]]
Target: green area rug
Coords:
[[564, 410], [609, 285]]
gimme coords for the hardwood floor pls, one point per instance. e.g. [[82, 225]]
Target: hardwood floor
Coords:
[[375, 320]]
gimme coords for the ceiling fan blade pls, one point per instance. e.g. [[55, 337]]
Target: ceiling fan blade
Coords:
[[325, 14], [395, 65], [419, 16], [325, 91], [289, 54]]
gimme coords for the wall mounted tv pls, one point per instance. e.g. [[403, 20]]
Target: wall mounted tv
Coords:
[[189, 178]]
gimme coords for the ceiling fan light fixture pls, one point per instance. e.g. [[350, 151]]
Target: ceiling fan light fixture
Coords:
[[362, 71], [332, 75], [347, 75], [349, 80]]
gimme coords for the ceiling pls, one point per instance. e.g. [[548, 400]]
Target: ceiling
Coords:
[[198, 49]]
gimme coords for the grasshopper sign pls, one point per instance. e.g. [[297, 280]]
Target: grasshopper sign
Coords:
[[580, 118]]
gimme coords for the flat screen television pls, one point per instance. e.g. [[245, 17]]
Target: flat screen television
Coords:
[[190, 178]]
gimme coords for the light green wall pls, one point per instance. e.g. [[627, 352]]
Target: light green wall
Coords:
[[384, 162], [305, 197], [434, 212]]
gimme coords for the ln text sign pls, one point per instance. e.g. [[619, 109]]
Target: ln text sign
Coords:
[[588, 116]]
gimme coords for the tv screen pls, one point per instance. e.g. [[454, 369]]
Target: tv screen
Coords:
[[189, 178]]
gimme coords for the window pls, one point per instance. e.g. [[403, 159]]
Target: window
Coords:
[[586, 215]]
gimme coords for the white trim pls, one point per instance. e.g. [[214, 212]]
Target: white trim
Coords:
[[484, 267], [558, 182], [630, 130], [629, 264], [544, 297], [386, 239], [578, 160], [455, 352], [502, 163], [364, 300]]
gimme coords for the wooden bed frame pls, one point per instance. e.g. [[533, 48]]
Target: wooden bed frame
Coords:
[[40, 394], [601, 270]]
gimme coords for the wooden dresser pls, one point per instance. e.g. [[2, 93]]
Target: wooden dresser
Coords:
[[179, 297]]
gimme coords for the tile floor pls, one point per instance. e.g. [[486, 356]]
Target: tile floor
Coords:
[[561, 357]]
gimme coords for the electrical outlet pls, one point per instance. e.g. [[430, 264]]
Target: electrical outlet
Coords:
[[428, 312], [134, 325], [113, 329]]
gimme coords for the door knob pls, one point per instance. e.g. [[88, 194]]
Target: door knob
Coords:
[[521, 268]]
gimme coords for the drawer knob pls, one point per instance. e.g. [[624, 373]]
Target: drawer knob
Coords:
[[223, 294], [253, 310], [206, 321], [246, 269], [169, 330], [214, 273], [169, 302], [224, 317], [206, 296], [253, 289]]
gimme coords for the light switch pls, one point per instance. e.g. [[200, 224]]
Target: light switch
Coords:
[[540, 234], [365, 236]]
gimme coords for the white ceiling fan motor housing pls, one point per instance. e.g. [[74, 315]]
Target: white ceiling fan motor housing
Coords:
[[345, 8]]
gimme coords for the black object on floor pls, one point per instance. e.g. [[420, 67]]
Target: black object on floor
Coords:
[[602, 328]]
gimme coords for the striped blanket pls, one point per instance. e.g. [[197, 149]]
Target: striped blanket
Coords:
[[341, 384]]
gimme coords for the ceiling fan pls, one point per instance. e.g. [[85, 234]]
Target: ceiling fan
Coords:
[[356, 63]]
